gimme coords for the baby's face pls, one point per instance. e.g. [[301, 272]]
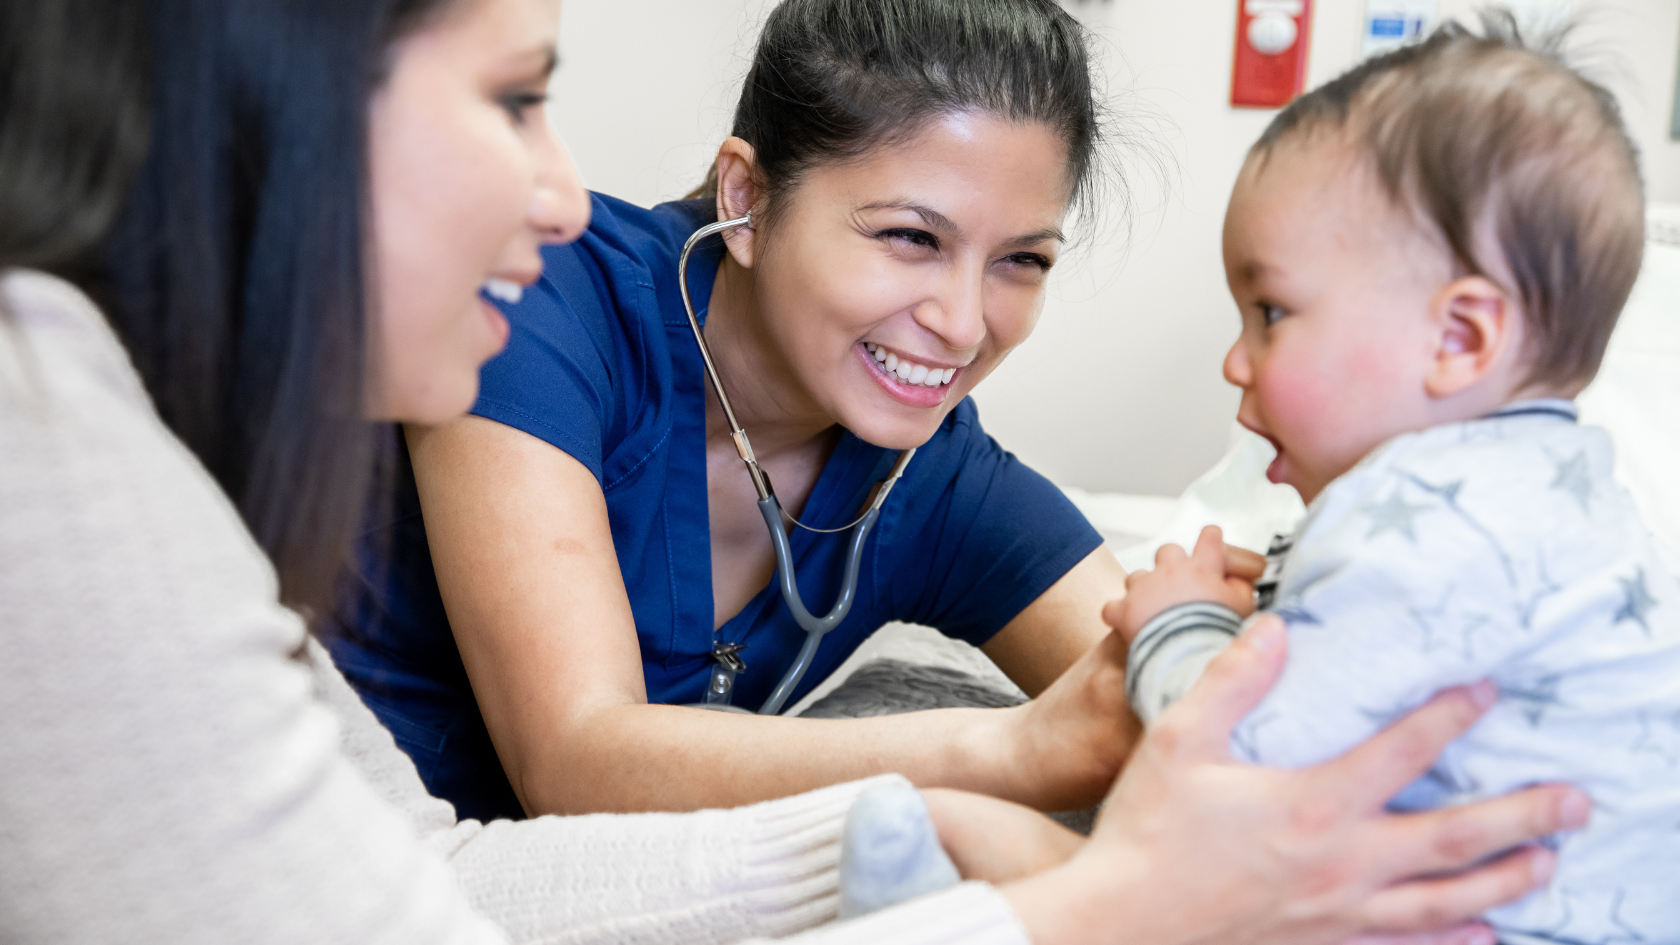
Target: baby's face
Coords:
[[1334, 290]]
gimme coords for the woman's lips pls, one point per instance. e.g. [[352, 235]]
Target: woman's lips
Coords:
[[902, 388], [907, 371]]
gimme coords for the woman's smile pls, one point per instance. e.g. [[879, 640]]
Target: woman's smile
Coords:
[[916, 383], [922, 266]]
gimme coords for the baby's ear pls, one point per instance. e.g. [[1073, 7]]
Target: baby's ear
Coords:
[[738, 193], [1475, 323]]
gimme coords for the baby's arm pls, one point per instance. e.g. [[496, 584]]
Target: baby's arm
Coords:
[[1213, 572], [1176, 617]]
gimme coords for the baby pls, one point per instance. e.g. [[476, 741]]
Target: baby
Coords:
[[1429, 254]]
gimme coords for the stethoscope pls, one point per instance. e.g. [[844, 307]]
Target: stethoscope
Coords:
[[721, 683]]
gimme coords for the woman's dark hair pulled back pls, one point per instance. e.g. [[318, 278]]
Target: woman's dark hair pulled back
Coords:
[[235, 276], [832, 80]]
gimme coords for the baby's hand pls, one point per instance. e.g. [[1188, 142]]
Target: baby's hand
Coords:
[[1214, 571]]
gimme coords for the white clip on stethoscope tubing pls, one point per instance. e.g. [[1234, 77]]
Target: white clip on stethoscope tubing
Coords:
[[771, 509]]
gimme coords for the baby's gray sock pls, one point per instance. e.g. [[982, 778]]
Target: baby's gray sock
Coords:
[[890, 852]]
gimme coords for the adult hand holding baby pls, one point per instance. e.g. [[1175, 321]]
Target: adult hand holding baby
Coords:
[[1194, 847]]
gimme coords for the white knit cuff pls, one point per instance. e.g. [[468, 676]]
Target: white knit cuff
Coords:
[[789, 875], [713, 876]]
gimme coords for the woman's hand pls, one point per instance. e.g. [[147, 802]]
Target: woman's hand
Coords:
[[1193, 847], [1063, 750], [1068, 745]]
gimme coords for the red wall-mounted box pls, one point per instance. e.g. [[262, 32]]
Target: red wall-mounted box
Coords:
[[1269, 65]]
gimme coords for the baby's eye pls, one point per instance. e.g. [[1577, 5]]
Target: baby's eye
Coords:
[[1270, 314], [521, 106]]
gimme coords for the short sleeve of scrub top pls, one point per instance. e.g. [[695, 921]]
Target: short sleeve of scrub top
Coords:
[[602, 365]]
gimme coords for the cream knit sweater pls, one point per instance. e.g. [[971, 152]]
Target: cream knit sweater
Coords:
[[169, 774]]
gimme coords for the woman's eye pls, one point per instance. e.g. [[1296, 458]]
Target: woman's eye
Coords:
[[1033, 260], [1270, 314], [920, 238], [521, 105]]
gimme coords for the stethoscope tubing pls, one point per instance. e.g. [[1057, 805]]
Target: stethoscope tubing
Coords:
[[814, 627], [771, 508]]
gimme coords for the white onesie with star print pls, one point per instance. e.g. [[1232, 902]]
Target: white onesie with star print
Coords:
[[1499, 548]]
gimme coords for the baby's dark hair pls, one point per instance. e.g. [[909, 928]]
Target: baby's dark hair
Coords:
[[1495, 135]]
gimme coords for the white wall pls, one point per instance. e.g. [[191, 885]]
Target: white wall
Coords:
[[1119, 389]]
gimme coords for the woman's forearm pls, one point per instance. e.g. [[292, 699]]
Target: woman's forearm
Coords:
[[643, 757], [557, 672]]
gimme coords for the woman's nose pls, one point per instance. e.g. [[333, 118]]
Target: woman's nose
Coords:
[[560, 205], [958, 314]]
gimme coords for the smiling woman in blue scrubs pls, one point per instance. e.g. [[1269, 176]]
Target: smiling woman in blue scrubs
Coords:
[[589, 537]]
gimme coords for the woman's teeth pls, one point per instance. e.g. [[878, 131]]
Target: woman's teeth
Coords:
[[910, 372], [502, 289]]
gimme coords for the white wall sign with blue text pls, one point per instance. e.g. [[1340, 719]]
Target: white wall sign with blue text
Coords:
[[1391, 23]]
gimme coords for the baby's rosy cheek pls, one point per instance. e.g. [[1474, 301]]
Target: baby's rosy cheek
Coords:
[[1292, 400]]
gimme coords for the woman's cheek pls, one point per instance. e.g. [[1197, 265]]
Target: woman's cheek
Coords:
[[429, 353], [1013, 306], [1005, 335]]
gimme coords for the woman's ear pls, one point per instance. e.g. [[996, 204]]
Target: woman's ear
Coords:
[[1477, 325], [738, 193]]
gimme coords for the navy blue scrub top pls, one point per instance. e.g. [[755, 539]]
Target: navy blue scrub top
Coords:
[[601, 364]]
